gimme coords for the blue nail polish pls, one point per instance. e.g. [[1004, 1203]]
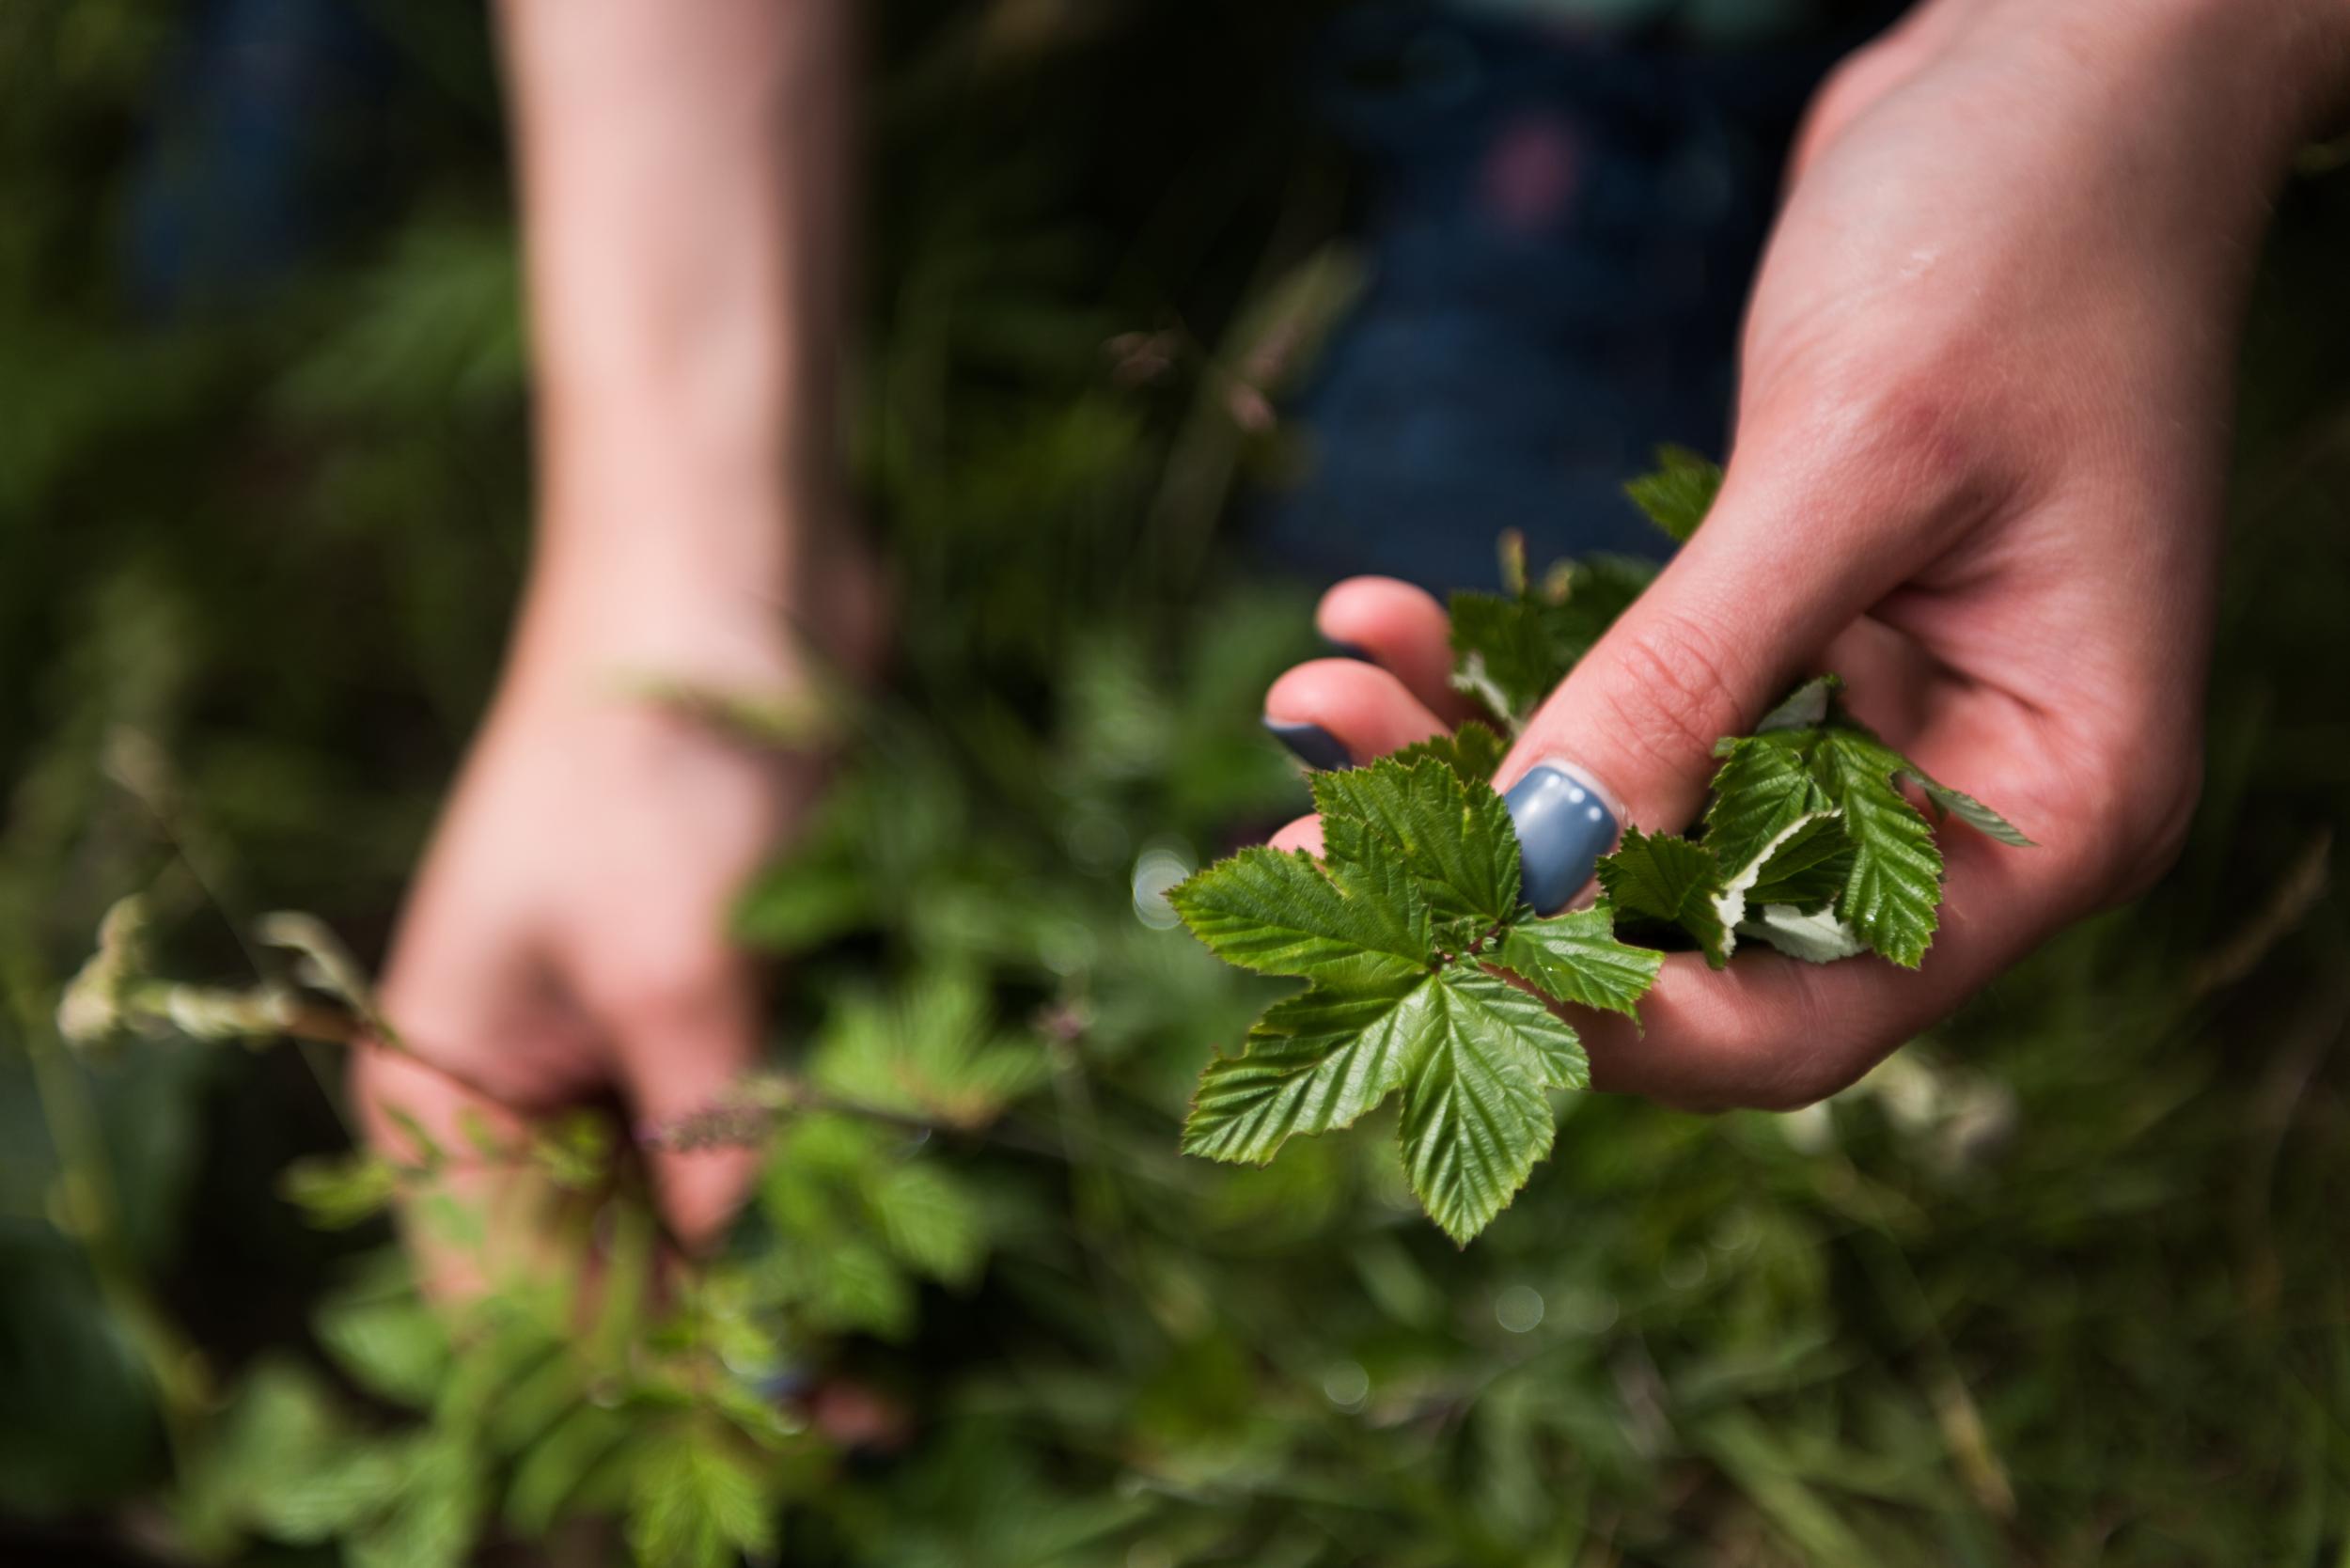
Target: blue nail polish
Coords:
[[1563, 828], [1310, 743], [1349, 650]]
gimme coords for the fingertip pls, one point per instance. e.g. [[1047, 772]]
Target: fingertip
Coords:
[[1303, 834], [699, 1191], [1403, 629], [1363, 708]]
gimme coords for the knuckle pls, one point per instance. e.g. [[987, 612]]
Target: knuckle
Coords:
[[1672, 693], [675, 985]]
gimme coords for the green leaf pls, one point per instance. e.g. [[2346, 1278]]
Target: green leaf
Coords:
[[1502, 651], [933, 1050], [1762, 788], [1671, 881], [1895, 888], [394, 1346], [1729, 904], [335, 1192], [1281, 915], [1453, 839], [696, 1500], [1475, 1117], [1681, 491], [1805, 708], [1966, 809], [435, 1515], [548, 1476], [1576, 958], [929, 1220], [1807, 868], [1474, 752], [1313, 1063]]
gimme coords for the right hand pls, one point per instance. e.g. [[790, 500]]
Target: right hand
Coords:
[[1980, 458]]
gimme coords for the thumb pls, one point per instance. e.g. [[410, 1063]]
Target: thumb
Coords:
[[1628, 736], [684, 1054]]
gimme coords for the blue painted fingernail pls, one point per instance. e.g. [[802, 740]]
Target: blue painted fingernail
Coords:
[[1563, 828], [1310, 743], [1349, 650]]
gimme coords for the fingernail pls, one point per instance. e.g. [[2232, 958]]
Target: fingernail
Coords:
[[1563, 827], [1310, 743], [1349, 650]]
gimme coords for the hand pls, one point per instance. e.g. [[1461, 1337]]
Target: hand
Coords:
[[1978, 470], [566, 939]]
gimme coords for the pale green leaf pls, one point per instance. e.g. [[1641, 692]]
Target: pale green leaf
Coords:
[[698, 1500], [392, 1345], [929, 1220], [1729, 904], [1817, 937]]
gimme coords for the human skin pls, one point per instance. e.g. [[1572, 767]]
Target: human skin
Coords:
[[1977, 469], [565, 940]]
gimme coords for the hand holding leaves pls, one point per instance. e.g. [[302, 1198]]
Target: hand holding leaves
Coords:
[[1810, 844]]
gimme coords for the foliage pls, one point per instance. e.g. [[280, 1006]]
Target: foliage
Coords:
[[2061, 1284]]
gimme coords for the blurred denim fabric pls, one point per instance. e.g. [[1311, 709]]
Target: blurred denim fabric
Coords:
[[1560, 228]]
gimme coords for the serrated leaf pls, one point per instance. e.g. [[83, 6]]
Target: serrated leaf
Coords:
[[1474, 752], [546, 1478], [1678, 495], [1808, 869], [1281, 914], [1892, 896], [1476, 1118], [435, 1515], [1575, 957], [1502, 651], [1966, 809], [1729, 904], [395, 1347], [1453, 839], [697, 1501], [929, 1220], [1762, 788], [335, 1192], [1805, 708], [931, 1050], [1671, 881], [1312, 1062]]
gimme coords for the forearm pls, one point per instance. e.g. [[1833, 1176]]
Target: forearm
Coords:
[[681, 171]]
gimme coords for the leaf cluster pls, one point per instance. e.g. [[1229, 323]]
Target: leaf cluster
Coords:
[[1810, 844], [1411, 932]]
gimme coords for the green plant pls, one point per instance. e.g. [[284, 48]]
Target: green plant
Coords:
[[1428, 974]]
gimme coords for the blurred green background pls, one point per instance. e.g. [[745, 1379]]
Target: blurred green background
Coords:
[[2064, 1283]]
